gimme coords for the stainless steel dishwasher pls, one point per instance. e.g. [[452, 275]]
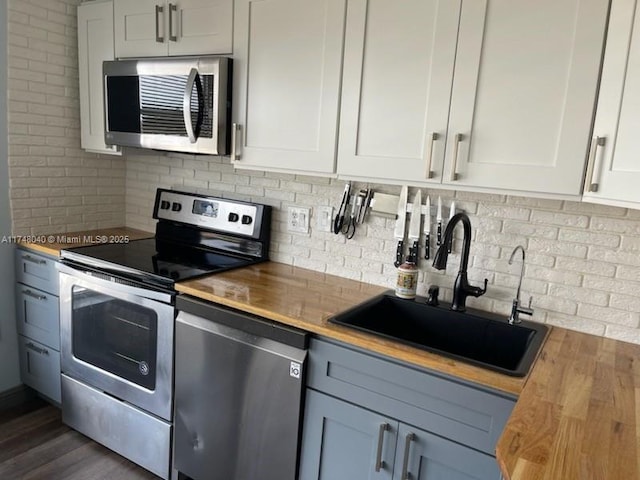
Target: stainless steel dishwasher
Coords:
[[239, 383]]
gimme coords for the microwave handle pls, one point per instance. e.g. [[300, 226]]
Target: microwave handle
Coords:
[[186, 105]]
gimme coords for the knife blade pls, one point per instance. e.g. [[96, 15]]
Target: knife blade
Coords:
[[414, 228], [452, 212], [401, 219], [439, 221], [427, 229]]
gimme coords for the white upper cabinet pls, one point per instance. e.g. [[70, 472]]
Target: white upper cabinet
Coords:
[[524, 91], [151, 28], [491, 94], [95, 45], [398, 71], [287, 67], [613, 174]]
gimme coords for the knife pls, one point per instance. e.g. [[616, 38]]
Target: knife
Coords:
[[439, 220], [427, 229], [452, 212], [401, 219], [414, 228]]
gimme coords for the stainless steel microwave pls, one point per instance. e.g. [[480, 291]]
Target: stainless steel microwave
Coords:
[[178, 104]]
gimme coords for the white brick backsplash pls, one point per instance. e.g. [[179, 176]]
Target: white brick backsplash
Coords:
[[530, 230], [589, 238], [586, 266], [580, 295], [625, 302], [504, 211], [615, 225], [575, 322], [610, 315], [560, 219], [625, 334]]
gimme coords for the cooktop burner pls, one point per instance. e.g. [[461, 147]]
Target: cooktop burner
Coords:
[[195, 235], [157, 261]]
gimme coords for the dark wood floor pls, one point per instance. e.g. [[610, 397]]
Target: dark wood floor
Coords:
[[35, 445]]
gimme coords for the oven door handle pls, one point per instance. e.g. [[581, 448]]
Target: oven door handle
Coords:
[[117, 285]]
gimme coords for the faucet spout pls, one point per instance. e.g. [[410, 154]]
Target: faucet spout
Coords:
[[516, 307], [461, 287]]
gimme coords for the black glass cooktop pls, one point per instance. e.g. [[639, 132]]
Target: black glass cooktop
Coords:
[[154, 261]]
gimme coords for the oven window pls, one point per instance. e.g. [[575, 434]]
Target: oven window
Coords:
[[116, 336]]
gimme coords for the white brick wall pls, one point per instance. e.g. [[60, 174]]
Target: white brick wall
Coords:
[[583, 261], [54, 185]]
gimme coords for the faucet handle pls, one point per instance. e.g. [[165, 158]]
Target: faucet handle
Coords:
[[530, 300]]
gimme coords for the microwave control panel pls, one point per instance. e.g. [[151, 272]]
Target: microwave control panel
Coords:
[[211, 213]]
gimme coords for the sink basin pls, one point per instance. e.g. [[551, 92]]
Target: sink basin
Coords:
[[475, 337]]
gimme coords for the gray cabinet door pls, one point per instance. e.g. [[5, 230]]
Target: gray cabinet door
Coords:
[[343, 442], [421, 456]]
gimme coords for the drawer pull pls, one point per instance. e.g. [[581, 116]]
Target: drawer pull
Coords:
[[41, 351], [379, 462], [37, 296], [31, 259], [406, 474]]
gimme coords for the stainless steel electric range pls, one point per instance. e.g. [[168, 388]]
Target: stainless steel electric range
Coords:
[[117, 316]]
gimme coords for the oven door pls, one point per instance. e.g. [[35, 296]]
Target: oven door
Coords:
[[116, 339]]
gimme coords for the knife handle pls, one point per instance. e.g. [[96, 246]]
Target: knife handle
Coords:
[[399, 250], [439, 234], [427, 240], [413, 252]]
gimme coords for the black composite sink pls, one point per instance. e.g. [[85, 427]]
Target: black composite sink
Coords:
[[480, 338]]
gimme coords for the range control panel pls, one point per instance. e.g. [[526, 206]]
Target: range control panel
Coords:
[[211, 213]]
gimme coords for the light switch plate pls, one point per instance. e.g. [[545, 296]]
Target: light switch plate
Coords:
[[324, 218], [298, 219]]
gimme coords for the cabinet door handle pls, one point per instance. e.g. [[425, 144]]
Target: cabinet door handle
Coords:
[[406, 474], [379, 462], [456, 147], [159, 10], [31, 259], [37, 296], [236, 131], [594, 165], [41, 351], [432, 138], [172, 8]]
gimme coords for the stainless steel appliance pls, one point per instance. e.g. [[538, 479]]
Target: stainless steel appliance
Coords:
[[117, 315], [179, 104], [239, 384]]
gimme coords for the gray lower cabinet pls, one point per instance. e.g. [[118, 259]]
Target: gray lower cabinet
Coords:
[[37, 314], [369, 417], [343, 441]]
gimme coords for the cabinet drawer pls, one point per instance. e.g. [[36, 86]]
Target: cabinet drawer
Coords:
[[40, 367], [38, 315], [448, 407], [36, 270]]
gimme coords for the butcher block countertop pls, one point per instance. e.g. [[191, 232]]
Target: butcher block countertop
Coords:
[[577, 415], [51, 244]]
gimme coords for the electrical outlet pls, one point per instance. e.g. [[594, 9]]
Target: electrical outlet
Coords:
[[324, 220], [298, 219]]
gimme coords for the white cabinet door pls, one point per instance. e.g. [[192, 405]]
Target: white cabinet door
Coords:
[[95, 45], [200, 27], [398, 69], [155, 28], [613, 175], [140, 28], [287, 64], [523, 96]]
